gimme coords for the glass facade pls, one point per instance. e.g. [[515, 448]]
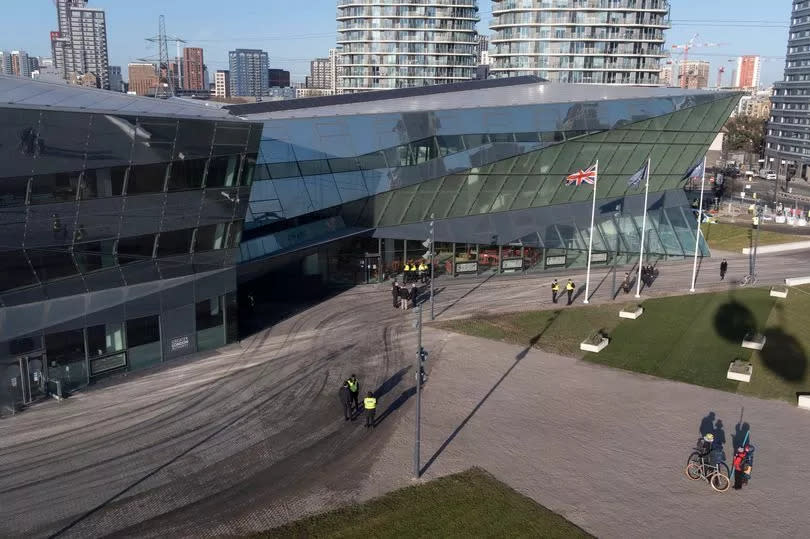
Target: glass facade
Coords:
[[579, 41], [393, 44]]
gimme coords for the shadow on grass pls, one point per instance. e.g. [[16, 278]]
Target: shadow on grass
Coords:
[[733, 320], [784, 355]]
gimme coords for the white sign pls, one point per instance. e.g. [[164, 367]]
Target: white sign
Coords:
[[555, 260], [467, 267], [512, 263], [180, 343], [599, 257]]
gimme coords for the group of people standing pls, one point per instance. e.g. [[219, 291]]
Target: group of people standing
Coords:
[[569, 289], [349, 396], [414, 272], [403, 296]]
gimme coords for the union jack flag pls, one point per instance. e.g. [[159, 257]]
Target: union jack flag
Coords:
[[587, 176]]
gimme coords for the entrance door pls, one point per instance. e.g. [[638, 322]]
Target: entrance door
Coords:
[[23, 381], [34, 366], [372, 265], [12, 394]]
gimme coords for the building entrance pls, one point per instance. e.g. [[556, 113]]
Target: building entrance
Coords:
[[23, 381], [372, 267]]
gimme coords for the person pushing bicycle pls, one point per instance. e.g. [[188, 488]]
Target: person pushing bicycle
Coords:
[[705, 446]]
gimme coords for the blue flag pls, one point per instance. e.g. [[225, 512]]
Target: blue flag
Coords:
[[635, 179], [696, 171]]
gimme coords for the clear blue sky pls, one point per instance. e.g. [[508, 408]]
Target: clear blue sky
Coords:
[[293, 32]]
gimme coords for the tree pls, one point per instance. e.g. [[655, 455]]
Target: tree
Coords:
[[745, 133]]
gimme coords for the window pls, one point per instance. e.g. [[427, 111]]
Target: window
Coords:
[[13, 192], [59, 187], [187, 174], [209, 313], [103, 182], [135, 248], [210, 237], [50, 265], [176, 242], [146, 179], [16, 271], [105, 339], [142, 331], [94, 255], [222, 171]]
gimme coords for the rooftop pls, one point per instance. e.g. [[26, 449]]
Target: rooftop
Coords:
[[28, 93]]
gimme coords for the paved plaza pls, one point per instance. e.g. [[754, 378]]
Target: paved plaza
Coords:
[[252, 436]]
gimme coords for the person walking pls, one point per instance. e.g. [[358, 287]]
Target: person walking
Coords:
[[354, 391], [403, 297], [569, 288], [395, 294], [626, 283], [423, 272], [346, 400], [723, 269], [370, 404], [555, 289]]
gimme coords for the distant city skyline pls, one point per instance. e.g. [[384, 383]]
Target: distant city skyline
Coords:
[[293, 38]]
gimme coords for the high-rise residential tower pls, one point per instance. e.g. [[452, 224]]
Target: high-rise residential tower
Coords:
[[747, 73], [605, 42], [222, 83], [248, 69], [787, 140], [116, 79], [143, 78], [395, 44], [694, 74], [193, 77], [80, 45]]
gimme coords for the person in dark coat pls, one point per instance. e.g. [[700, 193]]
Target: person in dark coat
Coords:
[[354, 391], [346, 400], [395, 294], [723, 269]]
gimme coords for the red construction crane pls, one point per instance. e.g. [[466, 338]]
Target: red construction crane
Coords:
[[686, 47]]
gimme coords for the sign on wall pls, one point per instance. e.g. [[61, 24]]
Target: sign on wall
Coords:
[[599, 257], [512, 264], [555, 260], [180, 343], [467, 267]]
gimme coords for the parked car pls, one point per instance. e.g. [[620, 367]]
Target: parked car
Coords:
[[770, 176]]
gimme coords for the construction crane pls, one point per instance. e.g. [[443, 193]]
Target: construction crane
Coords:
[[683, 76]]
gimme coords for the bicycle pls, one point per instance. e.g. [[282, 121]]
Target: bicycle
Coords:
[[717, 475]]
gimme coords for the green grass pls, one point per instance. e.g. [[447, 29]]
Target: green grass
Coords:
[[687, 338], [468, 504], [731, 237]]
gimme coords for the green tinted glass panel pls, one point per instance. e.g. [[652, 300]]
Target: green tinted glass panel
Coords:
[[446, 194], [467, 195], [378, 206], [503, 167], [421, 202], [486, 196], [527, 192], [400, 201], [509, 191]]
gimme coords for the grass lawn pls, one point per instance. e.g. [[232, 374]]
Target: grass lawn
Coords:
[[687, 338], [730, 237], [468, 504]]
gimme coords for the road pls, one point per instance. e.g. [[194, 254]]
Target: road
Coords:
[[252, 436]]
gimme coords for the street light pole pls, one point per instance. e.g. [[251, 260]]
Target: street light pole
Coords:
[[432, 264], [418, 427]]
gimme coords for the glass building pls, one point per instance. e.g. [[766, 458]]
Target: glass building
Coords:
[[787, 142], [136, 230], [345, 185], [395, 44], [121, 221], [579, 41]]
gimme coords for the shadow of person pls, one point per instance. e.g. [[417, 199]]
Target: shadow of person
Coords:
[[391, 383], [733, 320], [394, 406], [784, 355], [719, 435], [578, 292], [740, 430], [707, 424]]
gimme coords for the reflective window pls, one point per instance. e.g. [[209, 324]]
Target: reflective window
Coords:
[[314, 168], [143, 330], [58, 187], [345, 164], [186, 174], [136, 248], [16, 270], [231, 135], [13, 191], [66, 360], [450, 144], [322, 191], [53, 264], [61, 141], [234, 234], [248, 169], [146, 179], [110, 140], [293, 197], [211, 237], [94, 255], [176, 242], [19, 144], [154, 140], [105, 339], [102, 182], [222, 171], [372, 161], [283, 170], [209, 313], [194, 139]]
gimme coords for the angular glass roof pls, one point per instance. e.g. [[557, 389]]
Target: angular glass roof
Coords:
[[29, 93]]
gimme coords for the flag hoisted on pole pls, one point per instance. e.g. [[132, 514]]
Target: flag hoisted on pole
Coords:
[[634, 181], [698, 170], [588, 176]]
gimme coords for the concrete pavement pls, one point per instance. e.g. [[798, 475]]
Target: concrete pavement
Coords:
[[252, 436]]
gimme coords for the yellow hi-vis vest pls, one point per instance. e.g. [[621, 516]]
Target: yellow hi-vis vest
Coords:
[[370, 403], [407, 267], [352, 385], [555, 287], [569, 285]]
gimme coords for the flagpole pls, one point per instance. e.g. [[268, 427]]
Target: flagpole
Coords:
[[643, 230], [590, 239], [699, 219]]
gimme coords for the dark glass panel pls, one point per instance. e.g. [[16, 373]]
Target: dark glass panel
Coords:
[[13, 191], [322, 191], [146, 179], [187, 174], [531, 136], [222, 171], [154, 140], [209, 313], [450, 144], [102, 182], [373, 161], [143, 330], [58, 187], [283, 170], [110, 140], [66, 357], [175, 242], [314, 168], [210, 237], [248, 170], [194, 138], [94, 255], [345, 164], [135, 248], [475, 141], [231, 135], [15, 270], [105, 339], [62, 141], [19, 143], [234, 235], [52, 264]]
